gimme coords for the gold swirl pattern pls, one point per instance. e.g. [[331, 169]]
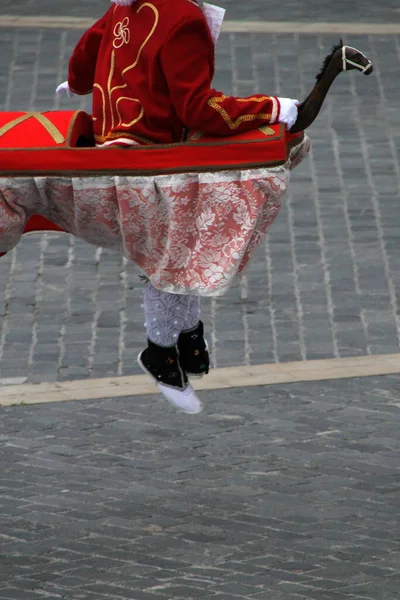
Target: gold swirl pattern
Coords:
[[156, 18], [122, 33], [121, 124]]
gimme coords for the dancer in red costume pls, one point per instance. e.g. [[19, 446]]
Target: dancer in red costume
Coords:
[[150, 67]]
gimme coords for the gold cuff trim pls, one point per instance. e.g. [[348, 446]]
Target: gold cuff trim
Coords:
[[254, 99], [215, 104]]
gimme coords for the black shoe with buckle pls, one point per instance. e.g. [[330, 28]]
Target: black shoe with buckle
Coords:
[[193, 352]]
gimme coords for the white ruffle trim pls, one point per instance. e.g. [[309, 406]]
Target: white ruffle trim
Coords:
[[123, 2]]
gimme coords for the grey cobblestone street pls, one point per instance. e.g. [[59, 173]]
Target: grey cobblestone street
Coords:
[[363, 11], [284, 493], [273, 493]]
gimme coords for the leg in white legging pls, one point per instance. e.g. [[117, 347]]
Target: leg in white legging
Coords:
[[167, 315], [193, 314]]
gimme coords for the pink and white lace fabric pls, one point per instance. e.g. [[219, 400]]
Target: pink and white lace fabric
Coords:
[[190, 233]]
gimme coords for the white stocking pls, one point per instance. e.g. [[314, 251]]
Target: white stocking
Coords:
[[169, 314]]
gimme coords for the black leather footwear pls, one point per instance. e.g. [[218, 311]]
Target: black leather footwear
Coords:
[[193, 351], [162, 364]]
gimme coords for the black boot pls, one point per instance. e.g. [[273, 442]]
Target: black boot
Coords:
[[193, 352], [163, 365]]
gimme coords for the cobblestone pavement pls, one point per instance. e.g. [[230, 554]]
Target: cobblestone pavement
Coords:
[[325, 284], [284, 493], [364, 11]]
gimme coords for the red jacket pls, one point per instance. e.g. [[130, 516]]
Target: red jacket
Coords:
[[150, 67]]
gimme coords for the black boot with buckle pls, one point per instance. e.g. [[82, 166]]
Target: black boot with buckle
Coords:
[[193, 352]]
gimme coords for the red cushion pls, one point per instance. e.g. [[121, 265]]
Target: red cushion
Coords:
[[35, 130]]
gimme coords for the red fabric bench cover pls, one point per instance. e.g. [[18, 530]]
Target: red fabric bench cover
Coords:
[[45, 144]]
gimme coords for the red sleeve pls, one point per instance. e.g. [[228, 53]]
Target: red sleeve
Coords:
[[82, 64], [187, 60]]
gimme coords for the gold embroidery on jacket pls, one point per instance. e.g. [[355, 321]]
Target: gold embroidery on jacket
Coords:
[[103, 99], [253, 99], [110, 76], [156, 15], [121, 124], [122, 33], [215, 104], [123, 37]]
